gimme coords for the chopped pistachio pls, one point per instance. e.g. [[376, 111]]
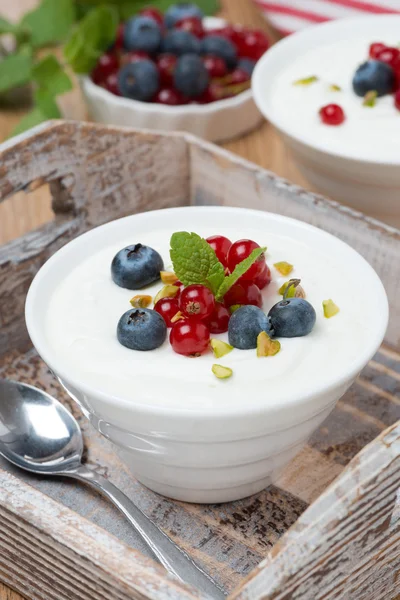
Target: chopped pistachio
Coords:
[[330, 308], [294, 289], [220, 348], [222, 372], [177, 317], [335, 88], [168, 291], [234, 307], [168, 277], [266, 346], [283, 267], [306, 80], [370, 98], [141, 301]]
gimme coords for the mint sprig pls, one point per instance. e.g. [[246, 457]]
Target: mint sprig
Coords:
[[195, 262]]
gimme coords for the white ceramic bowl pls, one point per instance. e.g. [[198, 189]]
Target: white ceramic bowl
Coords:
[[202, 454], [216, 122], [371, 186]]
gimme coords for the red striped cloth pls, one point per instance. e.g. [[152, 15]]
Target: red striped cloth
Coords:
[[291, 15]]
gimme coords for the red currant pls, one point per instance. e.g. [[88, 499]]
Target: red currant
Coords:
[[197, 301], [119, 40], [189, 337], [332, 114], [241, 250], [238, 76], [397, 99], [264, 278], [153, 13], [215, 66], [134, 56], [169, 97], [390, 56], [167, 308], [166, 66], [220, 244], [191, 24], [253, 44], [243, 292], [106, 65], [111, 84], [218, 321], [234, 33], [375, 48]]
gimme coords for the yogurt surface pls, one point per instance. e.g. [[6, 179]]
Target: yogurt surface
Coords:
[[368, 133], [84, 309]]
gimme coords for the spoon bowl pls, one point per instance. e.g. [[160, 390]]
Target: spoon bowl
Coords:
[[36, 432]]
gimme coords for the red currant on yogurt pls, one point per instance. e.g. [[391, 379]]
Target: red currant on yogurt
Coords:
[[390, 56], [264, 278], [220, 244], [218, 321], [243, 292], [197, 301], [332, 114], [241, 250], [106, 65], [189, 337], [167, 308], [375, 48]]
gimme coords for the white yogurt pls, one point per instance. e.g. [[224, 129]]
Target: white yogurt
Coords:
[[84, 310], [369, 133]]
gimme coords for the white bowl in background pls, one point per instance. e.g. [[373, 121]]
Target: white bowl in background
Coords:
[[203, 449], [216, 122], [369, 185]]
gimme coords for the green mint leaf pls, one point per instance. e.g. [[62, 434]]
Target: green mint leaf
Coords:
[[195, 261], [15, 70], [239, 270], [91, 37], [50, 22], [49, 74], [46, 103]]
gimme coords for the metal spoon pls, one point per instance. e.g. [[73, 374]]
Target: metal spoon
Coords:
[[39, 435]]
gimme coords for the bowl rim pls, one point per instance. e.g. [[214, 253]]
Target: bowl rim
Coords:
[[97, 92], [295, 41], [38, 336]]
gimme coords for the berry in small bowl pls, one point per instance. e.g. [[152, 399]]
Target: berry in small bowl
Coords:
[[202, 84]]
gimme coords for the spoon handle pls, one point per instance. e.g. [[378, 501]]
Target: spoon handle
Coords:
[[173, 558]]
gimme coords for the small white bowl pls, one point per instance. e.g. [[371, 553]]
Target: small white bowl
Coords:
[[200, 450], [369, 185], [216, 122]]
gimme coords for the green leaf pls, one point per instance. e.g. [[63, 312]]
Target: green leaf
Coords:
[[239, 270], [15, 70], [127, 8], [49, 74], [46, 103], [195, 261], [50, 22], [91, 37]]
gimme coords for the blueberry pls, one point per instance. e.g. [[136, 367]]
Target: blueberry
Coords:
[[180, 42], [191, 78], [220, 46], [247, 65], [142, 33], [141, 329], [244, 326], [139, 80], [293, 317], [374, 75], [136, 266], [180, 11]]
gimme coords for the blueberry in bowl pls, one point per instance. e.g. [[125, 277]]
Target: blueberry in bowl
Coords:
[[376, 76], [141, 329], [142, 33], [136, 266], [191, 77], [139, 80], [180, 11], [180, 42]]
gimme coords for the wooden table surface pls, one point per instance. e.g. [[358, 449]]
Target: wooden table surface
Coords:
[[17, 215]]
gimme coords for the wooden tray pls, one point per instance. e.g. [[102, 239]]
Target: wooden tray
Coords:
[[334, 510]]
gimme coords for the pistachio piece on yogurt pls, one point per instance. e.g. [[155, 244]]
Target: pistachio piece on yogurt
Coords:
[[141, 301], [168, 277], [370, 98], [168, 291], [306, 80], [330, 308], [220, 348], [221, 372], [283, 267], [266, 346], [292, 289]]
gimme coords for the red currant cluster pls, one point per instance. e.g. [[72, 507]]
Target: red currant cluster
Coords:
[[390, 56], [223, 80], [194, 314]]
